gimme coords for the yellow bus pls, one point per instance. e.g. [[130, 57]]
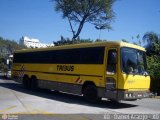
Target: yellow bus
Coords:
[[113, 70]]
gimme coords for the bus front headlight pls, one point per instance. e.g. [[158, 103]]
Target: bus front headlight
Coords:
[[110, 84]]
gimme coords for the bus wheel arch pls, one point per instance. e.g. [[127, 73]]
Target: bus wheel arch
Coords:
[[90, 92]]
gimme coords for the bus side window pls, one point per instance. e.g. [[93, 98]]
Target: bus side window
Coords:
[[111, 61]]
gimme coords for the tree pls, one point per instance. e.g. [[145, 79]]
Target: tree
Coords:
[[136, 40], [4, 69], [99, 40], [97, 12], [124, 40], [7, 47], [152, 41], [67, 41]]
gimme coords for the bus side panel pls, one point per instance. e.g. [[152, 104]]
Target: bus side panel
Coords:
[[66, 79]]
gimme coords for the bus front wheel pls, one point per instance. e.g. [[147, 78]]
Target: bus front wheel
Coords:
[[90, 93]]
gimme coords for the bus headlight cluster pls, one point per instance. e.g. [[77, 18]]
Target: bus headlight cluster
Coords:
[[146, 95], [129, 95]]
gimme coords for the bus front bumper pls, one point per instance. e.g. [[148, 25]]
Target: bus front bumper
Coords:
[[132, 95], [126, 95]]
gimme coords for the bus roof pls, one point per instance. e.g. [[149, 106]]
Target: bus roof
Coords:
[[84, 45]]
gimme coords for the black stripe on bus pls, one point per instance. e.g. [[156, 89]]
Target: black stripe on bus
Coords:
[[62, 73]]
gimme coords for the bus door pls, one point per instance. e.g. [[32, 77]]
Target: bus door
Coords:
[[111, 73]]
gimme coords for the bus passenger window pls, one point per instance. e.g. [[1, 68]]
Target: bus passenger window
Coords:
[[111, 61]]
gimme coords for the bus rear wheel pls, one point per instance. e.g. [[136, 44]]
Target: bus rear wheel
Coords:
[[26, 82], [90, 93], [34, 83]]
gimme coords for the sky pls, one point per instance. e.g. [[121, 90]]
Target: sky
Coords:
[[38, 19]]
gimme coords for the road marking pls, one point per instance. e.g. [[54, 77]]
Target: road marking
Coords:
[[7, 109], [31, 110], [34, 111]]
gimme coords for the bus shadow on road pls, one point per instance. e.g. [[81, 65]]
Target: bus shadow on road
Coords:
[[5, 78], [65, 97]]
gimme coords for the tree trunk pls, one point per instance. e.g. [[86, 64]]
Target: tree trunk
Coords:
[[79, 28]]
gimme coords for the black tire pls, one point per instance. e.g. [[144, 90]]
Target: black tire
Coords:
[[56, 91], [26, 82], [90, 93], [34, 83], [114, 101]]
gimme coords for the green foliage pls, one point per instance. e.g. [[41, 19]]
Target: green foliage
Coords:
[[7, 47], [153, 43], [154, 70], [124, 40], [137, 40], [67, 41], [3, 68], [153, 51], [97, 12], [150, 37], [99, 40], [154, 66]]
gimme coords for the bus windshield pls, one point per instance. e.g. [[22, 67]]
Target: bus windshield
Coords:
[[133, 61]]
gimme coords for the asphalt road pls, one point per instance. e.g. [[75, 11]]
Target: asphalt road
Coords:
[[15, 99]]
